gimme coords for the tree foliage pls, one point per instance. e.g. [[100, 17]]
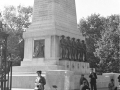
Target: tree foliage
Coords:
[[102, 39], [17, 19], [108, 46], [91, 28]]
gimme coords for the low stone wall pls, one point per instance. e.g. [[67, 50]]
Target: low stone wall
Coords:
[[69, 77], [63, 79]]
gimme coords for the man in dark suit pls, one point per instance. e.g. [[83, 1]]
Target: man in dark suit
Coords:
[[40, 81], [119, 79], [93, 77]]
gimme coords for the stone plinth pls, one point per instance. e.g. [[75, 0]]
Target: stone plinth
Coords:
[[33, 69], [51, 50], [77, 67], [61, 78], [51, 19]]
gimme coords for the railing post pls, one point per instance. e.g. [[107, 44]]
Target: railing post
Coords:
[[10, 75]]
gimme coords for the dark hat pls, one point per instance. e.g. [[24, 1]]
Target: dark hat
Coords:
[[68, 37], [112, 79], [78, 39], [62, 36], [39, 72], [82, 74], [92, 69]]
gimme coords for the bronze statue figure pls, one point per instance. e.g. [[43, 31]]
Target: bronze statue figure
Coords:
[[38, 49], [73, 49], [84, 51], [62, 46], [66, 48], [69, 48], [78, 49]]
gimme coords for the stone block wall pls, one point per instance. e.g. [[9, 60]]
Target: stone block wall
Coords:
[[77, 67]]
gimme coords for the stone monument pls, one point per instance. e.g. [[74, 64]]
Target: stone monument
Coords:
[[51, 19], [52, 42]]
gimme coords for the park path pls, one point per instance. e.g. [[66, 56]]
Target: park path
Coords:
[[33, 89]]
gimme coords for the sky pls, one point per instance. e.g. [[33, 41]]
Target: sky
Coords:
[[84, 8]]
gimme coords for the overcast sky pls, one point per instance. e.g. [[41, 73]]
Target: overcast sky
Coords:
[[84, 8]]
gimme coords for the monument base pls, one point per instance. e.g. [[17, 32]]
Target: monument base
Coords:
[[63, 79], [33, 69], [24, 75], [39, 62]]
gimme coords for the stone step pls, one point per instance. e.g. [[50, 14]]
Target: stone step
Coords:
[[76, 89], [23, 81], [36, 68], [26, 80], [21, 89]]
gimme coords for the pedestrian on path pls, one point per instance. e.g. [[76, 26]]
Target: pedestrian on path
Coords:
[[111, 85], [82, 79], [119, 79], [93, 77], [84, 86], [40, 81]]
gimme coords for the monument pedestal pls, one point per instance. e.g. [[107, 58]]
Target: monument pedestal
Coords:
[[42, 48], [62, 79]]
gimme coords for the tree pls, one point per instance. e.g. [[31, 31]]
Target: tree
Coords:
[[108, 46], [17, 19], [91, 28]]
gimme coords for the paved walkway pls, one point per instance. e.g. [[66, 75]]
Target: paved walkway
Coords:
[[33, 89]]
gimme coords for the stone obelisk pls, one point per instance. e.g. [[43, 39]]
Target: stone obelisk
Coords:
[[51, 19]]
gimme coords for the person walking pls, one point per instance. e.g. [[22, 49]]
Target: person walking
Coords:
[[119, 79], [111, 85], [82, 79], [39, 81], [93, 77], [84, 86]]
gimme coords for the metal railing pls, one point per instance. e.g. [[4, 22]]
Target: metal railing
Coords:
[[6, 76]]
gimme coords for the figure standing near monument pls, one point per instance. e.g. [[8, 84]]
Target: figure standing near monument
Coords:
[[83, 51], [73, 49], [62, 47], [69, 48], [42, 47], [78, 49], [38, 49], [119, 79], [76, 54], [39, 81], [82, 79], [84, 86], [111, 85], [93, 77], [66, 49]]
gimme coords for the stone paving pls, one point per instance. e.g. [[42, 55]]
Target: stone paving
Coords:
[[33, 89]]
